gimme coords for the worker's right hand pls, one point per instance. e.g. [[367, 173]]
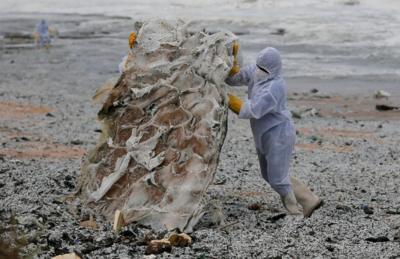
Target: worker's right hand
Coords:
[[235, 103], [235, 50]]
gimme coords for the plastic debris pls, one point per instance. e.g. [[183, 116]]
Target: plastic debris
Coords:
[[382, 94], [165, 121]]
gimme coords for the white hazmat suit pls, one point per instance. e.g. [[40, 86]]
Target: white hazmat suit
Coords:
[[270, 119]]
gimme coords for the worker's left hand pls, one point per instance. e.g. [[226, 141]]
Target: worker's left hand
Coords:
[[235, 103], [132, 39], [235, 50]]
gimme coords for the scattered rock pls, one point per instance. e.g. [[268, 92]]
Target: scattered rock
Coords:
[[76, 142], [397, 236], [393, 212], [378, 239], [309, 112], [68, 182], [279, 32], [50, 115], [330, 240], [296, 115], [25, 138], [158, 247], [55, 239], [254, 206], [277, 217], [348, 143], [220, 181], [314, 91], [384, 107], [351, 2], [330, 248], [367, 209], [343, 207], [315, 139], [180, 240]]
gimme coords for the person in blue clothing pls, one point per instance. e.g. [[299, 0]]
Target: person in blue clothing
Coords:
[[272, 126], [42, 35]]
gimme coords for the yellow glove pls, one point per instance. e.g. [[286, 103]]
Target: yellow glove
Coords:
[[132, 38], [235, 68], [235, 103]]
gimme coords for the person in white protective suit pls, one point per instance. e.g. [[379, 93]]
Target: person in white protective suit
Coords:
[[272, 126]]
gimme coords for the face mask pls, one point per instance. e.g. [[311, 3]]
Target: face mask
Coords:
[[260, 75]]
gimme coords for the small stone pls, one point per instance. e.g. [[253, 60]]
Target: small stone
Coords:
[[76, 142], [158, 247], [343, 207], [220, 181], [352, 2], [279, 31], [397, 236], [49, 114], [277, 217], [314, 91], [368, 210], [254, 206], [378, 239], [330, 248], [393, 212], [180, 240], [55, 239]]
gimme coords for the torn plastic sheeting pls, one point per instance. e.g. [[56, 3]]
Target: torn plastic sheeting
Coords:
[[166, 118]]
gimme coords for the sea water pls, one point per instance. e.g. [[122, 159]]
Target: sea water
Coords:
[[333, 39]]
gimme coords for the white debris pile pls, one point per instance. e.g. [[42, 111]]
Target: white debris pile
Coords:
[[165, 122]]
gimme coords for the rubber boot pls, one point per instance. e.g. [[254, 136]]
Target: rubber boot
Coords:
[[290, 203], [307, 199]]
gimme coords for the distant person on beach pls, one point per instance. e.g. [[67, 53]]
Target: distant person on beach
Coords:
[[272, 126], [42, 34]]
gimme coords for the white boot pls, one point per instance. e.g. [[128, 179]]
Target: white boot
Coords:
[[307, 199], [290, 203]]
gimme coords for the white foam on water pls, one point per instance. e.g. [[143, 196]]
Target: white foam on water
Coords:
[[314, 28]]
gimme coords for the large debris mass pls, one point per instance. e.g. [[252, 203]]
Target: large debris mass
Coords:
[[164, 124]]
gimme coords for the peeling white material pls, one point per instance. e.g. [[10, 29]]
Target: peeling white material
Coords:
[[107, 182], [164, 142]]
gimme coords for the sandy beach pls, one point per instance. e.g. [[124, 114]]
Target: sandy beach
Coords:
[[346, 151]]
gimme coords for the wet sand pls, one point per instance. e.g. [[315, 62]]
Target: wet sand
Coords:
[[347, 153]]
